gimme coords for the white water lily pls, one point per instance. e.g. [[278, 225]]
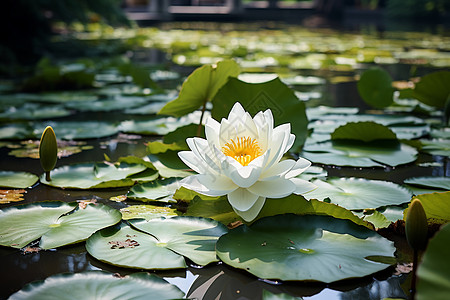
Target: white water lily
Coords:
[[240, 158]]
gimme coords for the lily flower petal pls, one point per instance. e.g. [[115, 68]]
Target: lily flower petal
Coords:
[[302, 186], [252, 213], [273, 189], [242, 199]]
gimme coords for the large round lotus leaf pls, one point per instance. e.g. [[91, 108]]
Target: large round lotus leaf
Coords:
[[438, 182], [291, 247], [358, 155], [79, 130], [93, 175], [436, 147], [99, 285], [158, 190], [192, 237], [126, 247], [358, 193], [433, 273], [17, 180], [56, 223]]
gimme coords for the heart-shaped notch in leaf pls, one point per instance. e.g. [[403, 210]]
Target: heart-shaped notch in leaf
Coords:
[[375, 88], [200, 87], [256, 97]]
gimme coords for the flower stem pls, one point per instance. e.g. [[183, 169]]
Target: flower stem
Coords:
[[199, 128], [414, 275], [47, 176]]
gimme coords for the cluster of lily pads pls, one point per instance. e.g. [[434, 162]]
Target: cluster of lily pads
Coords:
[[295, 238]]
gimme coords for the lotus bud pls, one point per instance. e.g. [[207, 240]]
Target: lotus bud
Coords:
[[48, 151], [416, 226]]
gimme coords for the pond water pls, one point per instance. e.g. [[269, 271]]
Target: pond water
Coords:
[[176, 49]]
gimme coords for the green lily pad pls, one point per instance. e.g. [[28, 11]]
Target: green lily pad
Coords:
[[169, 165], [18, 131], [116, 103], [159, 243], [358, 193], [93, 175], [375, 87], [363, 131], [147, 212], [436, 147], [158, 126], [255, 97], [99, 285], [200, 87], [291, 247], [55, 223], [33, 111], [433, 273], [158, 190], [315, 113], [438, 182], [17, 180], [433, 89], [79, 130], [359, 154]]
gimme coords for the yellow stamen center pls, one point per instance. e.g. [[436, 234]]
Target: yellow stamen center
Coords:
[[244, 150]]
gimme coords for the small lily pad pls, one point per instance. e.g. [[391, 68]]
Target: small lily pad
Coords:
[[291, 247], [438, 182], [17, 180], [358, 193], [79, 130], [94, 175], [99, 285]]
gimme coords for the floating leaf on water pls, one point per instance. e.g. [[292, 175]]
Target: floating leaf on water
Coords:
[[358, 193], [160, 190], [56, 223], [162, 243], [439, 182], [94, 175], [19, 180], [363, 131], [292, 247], [101, 284], [75, 130]]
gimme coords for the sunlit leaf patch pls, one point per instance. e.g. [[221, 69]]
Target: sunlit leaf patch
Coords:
[[8, 196], [147, 212]]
